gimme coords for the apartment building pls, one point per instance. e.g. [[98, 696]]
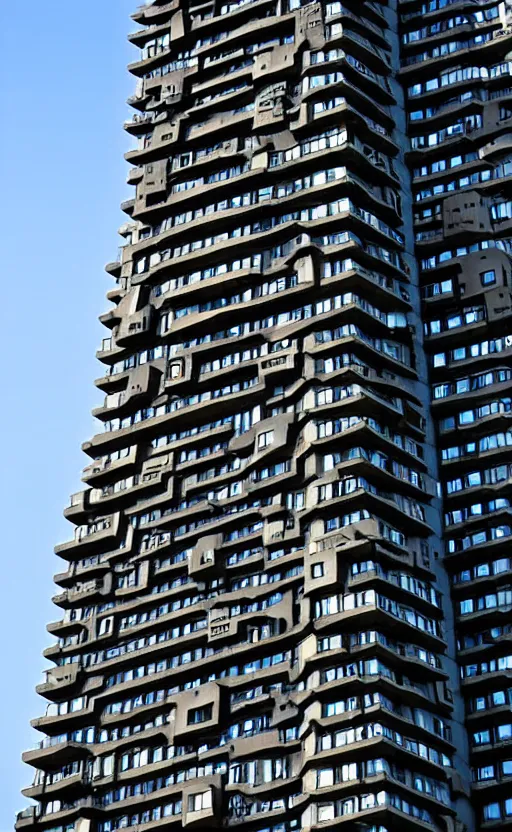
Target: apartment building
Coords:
[[286, 599]]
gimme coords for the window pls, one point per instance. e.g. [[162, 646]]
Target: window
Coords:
[[265, 439], [317, 570], [326, 812], [329, 643], [199, 802], [488, 278], [324, 777], [175, 370], [295, 500], [492, 811], [505, 732], [200, 715], [274, 770], [105, 626], [485, 773], [481, 738]]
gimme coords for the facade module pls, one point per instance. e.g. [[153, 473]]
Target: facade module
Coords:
[[287, 601]]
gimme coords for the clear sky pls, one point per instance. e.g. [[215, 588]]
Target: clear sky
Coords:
[[64, 87]]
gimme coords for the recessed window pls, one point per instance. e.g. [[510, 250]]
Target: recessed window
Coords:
[[317, 570], [105, 626], [265, 439], [488, 278], [208, 556], [199, 715], [492, 811], [485, 773], [325, 777], [198, 802], [325, 812], [175, 369]]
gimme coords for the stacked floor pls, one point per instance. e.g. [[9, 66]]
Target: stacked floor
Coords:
[[287, 602]]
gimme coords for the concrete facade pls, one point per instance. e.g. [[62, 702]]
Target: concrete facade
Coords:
[[287, 600]]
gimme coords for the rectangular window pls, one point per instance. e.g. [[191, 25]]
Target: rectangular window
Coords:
[[199, 715], [488, 278], [265, 439], [199, 802], [325, 812], [324, 777]]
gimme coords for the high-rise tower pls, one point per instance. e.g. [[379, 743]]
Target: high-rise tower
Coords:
[[287, 599], [457, 75]]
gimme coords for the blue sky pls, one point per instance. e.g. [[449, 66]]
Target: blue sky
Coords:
[[64, 83]]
